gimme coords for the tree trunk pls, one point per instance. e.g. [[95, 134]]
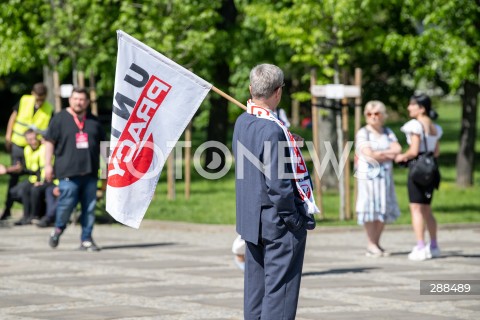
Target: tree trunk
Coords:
[[218, 119], [328, 135], [466, 153], [48, 81]]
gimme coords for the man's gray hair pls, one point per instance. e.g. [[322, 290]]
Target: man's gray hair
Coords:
[[265, 79]]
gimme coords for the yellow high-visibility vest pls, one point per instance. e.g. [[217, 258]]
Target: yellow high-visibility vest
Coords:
[[35, 161], [26, 119]]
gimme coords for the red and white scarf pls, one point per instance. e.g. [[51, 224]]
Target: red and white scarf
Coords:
[[299, 169]]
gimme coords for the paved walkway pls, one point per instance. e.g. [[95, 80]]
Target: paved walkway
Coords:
[[177, 271]]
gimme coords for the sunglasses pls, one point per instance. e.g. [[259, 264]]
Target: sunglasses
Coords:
[[370, 114]]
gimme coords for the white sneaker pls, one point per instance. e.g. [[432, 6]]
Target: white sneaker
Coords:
[[434, 253], [385, 253], [419, 254], [373, 252]]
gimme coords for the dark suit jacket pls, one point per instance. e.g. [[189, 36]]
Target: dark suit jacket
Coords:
[[267, 206]]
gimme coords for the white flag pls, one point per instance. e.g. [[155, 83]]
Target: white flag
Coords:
[[154, 100]]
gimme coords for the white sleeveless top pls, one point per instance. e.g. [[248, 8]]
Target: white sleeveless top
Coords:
[[415, 127]]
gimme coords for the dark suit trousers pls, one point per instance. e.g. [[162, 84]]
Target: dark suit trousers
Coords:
[[273, 271]]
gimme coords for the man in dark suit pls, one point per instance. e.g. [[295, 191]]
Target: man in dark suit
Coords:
[[271, 218]]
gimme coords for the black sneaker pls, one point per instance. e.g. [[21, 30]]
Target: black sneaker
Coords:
[[55, 237], [6, 214], [22, 222], [44, 223], [88, 245]]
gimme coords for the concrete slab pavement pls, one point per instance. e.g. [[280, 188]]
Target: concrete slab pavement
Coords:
[[168, 270]]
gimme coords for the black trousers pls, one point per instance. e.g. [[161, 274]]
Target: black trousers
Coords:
[[22, 193], [17, 155], [35, 199], [38, 200]]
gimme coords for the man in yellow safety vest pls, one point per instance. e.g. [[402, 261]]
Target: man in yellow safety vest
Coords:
[[32, 192]]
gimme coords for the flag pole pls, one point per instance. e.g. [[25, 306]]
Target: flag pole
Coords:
[[229, 98]]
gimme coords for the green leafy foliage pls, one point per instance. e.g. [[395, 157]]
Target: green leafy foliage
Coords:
[[183, 30], [444, 40]]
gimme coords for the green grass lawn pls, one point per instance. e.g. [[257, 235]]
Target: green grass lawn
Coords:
[[213, 201]]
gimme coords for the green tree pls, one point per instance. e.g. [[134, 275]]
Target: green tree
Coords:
[[445, 49], [80, 34], [331, 36], [62, 35], [19, 42]]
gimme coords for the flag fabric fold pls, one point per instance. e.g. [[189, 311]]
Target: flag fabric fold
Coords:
[[154, 100]]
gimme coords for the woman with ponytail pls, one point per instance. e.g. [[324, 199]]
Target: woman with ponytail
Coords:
[[422, 136]]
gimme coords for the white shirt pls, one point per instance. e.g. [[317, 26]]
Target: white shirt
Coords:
[[415, 127]]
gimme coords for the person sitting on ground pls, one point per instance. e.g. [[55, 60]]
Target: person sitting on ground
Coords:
[[30, 191]]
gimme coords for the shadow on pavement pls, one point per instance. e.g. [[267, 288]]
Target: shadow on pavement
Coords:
[[138, 245], [337, 271], [460, 254]]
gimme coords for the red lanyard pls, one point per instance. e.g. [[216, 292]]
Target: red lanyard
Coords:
[[80, 124]]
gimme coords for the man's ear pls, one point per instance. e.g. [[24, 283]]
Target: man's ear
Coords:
[[279, 91]]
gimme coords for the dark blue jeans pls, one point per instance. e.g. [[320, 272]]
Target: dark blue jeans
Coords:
[[81, 189], [51, 202]]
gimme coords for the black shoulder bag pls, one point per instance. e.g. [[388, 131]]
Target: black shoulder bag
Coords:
[[424, 169]]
